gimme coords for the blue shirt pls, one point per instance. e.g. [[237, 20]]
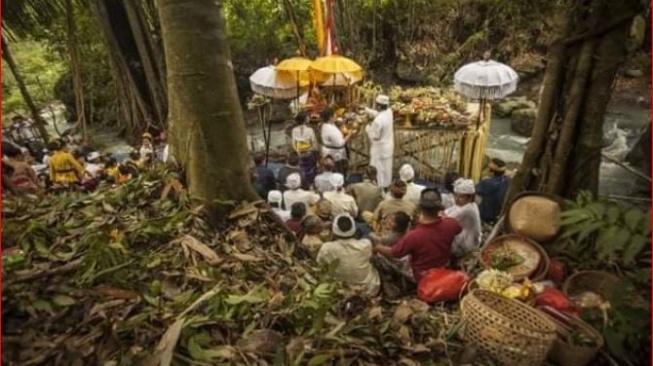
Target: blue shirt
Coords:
[[493, 192]]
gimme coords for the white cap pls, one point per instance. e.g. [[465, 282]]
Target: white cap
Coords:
[[275, 197], [293, 181], [344, 234], [406, 173], [92, 156], [383, 99], [464, 186], [337, 180]]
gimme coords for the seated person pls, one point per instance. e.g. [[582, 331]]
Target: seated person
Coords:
[[447, 195], [398, 223], [353, 256], [413, 191], [275, 200], [323, 180], [312, 228], [341, 202], [429, 243], [367, 193], [296, 194], [492, 191], [394, 204], [291, 167], [297, 214], [466, 212]]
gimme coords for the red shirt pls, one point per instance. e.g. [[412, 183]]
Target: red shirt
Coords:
[[429, 245]]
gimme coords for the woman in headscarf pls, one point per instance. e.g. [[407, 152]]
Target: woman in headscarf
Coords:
[[305, 144], [466, 212]]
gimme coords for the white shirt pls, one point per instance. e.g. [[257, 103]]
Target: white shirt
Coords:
[[342, 203], [381, 133], [304, 135], [299, 195], [164, 155], [354, 266], [470, 219], [447, 200], [144, 150], [334, 139], [413, 192], [93, 169], [284, 215]]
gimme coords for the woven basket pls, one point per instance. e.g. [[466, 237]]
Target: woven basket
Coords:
[[567, 354], [507, 330], [599, 282], [535, 215]]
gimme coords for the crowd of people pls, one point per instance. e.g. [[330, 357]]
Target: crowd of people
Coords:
[[379, 222], [69, 165]]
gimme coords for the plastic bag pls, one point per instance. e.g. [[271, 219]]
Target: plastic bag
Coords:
[[439, 285], [557, 300]]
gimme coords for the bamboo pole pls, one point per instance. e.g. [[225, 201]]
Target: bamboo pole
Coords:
[[626, 167]]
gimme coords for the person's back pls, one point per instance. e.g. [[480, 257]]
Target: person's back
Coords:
[[395, 204], [295, 194], [64, 168], [466, 212], [353, 256], [341, 202], [323, 180], [291, 167], [265, 175], [493, 191]]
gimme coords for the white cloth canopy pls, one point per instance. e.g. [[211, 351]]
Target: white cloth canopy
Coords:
[[266, 81], [485, 80]]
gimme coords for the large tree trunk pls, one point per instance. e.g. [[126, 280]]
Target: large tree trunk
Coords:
[[564, 154], [76, 66], [206, 122], [38, 120], [136, 62]]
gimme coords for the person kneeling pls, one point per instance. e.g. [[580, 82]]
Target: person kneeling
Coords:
[[354, 256]]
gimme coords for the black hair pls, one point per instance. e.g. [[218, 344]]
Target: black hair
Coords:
[[293, 158], [301, 117], [344, 223], [298, 210], [124, 169], [499, 163], [402, 220], [370, 172], [382, 107], [326, 114], [134, 155], [430, 194], [111, 162], [449, 179], [259, 158], [431, 209], [11, 151]]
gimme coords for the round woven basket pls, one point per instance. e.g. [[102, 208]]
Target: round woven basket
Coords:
[[567, 354], [536, 273], [535, 215], [507, 330], [599, 282]]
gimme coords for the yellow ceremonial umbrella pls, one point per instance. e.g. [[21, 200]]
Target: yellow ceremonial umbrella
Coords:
[[324, 67], [297, 67]]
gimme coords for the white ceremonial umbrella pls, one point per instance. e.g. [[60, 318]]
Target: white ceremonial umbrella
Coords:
[[482, 80], [272, 84], [485, 80]]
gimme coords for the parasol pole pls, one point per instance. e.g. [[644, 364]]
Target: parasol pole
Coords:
[[267, 142]]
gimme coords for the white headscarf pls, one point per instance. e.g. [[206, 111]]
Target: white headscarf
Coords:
[[337, 180], [344, 234], [293, 181], [464, 186], [406, 173]]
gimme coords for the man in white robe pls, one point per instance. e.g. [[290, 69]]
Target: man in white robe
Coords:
[[381, 135]]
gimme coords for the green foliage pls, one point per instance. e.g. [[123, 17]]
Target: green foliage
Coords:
[[601, 230], [39, 67], [601, 235]]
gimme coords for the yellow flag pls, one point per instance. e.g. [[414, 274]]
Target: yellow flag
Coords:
[[318, 23]]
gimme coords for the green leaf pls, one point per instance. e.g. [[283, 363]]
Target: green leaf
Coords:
[[588, 229], [257, 295], [605, 241], [635, 246], [632, 218], [196, 352], [646, 224], [319, 359], [571, 220], [575, 212], [615, 343], [63, 300], [613, 213], [597, 209], [621, 238]]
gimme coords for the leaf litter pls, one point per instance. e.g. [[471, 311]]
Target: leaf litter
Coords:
[[135, 276]]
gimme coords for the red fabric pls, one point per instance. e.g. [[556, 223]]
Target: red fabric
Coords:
[[295, 226], [438, 285], [557, 300], [429, 245]]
